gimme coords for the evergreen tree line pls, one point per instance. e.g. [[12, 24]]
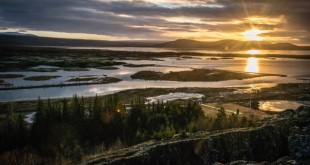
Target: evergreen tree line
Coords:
[[71, 129]]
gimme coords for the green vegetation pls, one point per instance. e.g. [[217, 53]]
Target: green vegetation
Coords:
[[195, 75], [296, 92], [67, 130], [11, 75], [40, 78], [279, 140]]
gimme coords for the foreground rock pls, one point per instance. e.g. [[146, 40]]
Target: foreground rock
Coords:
[[283, 139]]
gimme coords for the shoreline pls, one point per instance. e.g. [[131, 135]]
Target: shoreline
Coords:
[[152, 54], [293, 92], [108, 81]]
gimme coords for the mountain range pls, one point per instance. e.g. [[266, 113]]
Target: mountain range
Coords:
[[231, 45], [20, 39]]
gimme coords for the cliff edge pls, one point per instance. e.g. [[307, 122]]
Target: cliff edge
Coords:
[[284, 138]]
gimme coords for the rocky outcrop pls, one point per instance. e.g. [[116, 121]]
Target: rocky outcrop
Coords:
[[284, 135], [299, 139]]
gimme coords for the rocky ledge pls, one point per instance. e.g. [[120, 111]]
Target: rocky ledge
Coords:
[[282, 139]]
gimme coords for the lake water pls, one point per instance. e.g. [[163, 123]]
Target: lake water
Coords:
[[29, 118], [281, 105], [173, 96], [295, 69]]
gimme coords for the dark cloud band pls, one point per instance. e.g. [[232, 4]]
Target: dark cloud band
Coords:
[[138, 18]]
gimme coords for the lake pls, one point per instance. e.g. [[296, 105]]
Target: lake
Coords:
[[295, 69], [281, 105]]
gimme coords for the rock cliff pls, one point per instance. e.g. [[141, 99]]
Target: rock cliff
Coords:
[[284, 138]]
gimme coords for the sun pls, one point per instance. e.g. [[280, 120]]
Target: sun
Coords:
[[253, 35]]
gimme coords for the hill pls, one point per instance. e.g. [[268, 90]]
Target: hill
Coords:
[[17, 34], [9, 39], [20, 39], [230, 45]]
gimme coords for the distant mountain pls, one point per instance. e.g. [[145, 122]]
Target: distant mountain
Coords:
[[17, 34], [21, 39], [14, 39], [230, 45]]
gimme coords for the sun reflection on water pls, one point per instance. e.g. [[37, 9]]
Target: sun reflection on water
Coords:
[[252, 65]]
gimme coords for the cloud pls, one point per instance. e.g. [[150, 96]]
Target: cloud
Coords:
[[157, 19]]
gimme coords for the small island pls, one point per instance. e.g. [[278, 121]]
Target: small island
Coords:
[[40, 78], [11, 75], [197, 75], [138, 65], [93, 80], [76, 81], [72, 69], [43, 69], [107, 68]]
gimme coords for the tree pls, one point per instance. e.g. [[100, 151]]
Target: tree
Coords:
[[220, 121]]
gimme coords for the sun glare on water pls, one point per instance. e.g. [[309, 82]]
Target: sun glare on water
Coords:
[[252, 65], [253, 35]]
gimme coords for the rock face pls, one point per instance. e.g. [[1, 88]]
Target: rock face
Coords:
[[299, 140], [285, 135]]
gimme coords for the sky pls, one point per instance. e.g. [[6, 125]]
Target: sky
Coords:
[[163, 20]]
